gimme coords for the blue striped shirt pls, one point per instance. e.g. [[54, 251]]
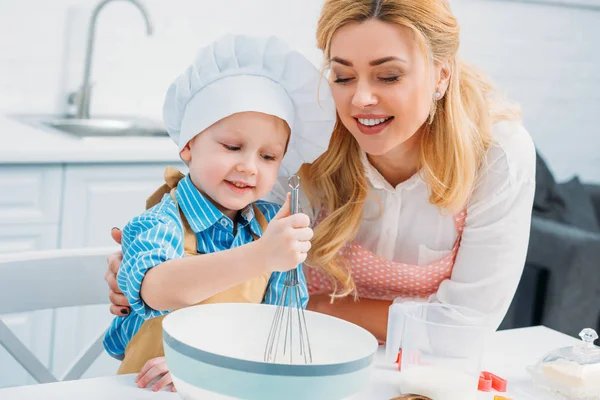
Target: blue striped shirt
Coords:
[[156, 236]]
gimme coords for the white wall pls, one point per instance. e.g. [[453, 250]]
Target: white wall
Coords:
[[42, 46], [546, 57]]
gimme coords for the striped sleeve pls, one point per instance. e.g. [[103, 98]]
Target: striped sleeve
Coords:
[[275, 287], [148, 240]]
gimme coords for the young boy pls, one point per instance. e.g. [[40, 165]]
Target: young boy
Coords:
[[246, 109]]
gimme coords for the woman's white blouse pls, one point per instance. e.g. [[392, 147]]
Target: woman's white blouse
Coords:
[[494, 242]]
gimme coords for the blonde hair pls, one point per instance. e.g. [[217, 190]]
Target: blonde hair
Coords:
[[453, 141]]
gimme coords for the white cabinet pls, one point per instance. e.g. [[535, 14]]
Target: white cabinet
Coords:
[[99, 197], [24, 237], [30, 194]]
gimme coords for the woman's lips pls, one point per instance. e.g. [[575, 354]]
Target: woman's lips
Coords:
[[373, 129]]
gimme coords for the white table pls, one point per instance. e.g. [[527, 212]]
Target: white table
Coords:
[[507, 355]]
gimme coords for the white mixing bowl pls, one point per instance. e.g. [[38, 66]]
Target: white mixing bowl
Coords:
[[216, 351]]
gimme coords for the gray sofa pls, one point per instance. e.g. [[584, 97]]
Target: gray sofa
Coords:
[[560, 287]]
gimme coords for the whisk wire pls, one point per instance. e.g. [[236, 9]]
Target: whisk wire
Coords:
[[290, 299]]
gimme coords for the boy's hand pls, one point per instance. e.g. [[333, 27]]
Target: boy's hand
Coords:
[[154, 368], [286, 240]]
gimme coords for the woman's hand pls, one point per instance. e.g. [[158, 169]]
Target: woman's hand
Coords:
[[120, 304], [155, 368]]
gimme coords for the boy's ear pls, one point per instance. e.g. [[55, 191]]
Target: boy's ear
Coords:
[[186, 153]]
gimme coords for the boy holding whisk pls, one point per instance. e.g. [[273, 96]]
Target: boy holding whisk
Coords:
[[244, 111]]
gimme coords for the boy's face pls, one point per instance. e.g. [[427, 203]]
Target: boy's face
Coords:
[[235, 161]]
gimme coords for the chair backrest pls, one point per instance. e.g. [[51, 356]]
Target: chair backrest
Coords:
[[38, 280]]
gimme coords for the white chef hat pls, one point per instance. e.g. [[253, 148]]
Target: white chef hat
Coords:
[[238, 73]]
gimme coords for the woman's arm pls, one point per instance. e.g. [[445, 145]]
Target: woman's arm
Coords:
[[367, 313], [492, 251]]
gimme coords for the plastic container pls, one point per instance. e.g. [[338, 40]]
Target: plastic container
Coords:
[[442, 347], [571, 372]]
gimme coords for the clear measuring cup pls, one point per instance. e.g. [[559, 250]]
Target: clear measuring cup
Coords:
[[442, 347]]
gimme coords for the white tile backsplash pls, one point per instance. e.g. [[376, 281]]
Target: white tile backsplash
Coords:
[[546, 57]]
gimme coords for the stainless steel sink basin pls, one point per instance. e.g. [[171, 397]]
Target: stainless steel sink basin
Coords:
[[97, 127], [105, 127]]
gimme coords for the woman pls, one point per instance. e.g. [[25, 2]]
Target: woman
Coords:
[[426, 189]]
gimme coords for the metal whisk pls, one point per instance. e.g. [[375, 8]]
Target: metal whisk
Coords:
[[289, 315]]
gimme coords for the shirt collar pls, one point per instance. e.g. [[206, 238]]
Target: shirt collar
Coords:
[[379, 182], [199, 211], [249, 218]]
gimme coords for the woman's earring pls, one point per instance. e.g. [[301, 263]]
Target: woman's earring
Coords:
[[438, 95]]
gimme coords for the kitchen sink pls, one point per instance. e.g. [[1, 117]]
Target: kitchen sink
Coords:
[[98, 126]]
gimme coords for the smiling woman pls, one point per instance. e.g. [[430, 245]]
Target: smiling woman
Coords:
[[426, 189]]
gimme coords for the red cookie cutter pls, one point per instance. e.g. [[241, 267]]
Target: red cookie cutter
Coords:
[[489, 381]]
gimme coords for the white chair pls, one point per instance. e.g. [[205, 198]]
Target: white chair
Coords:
[[39, 280]]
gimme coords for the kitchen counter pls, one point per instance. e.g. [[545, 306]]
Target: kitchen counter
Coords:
[[21, 143], [507, 355]]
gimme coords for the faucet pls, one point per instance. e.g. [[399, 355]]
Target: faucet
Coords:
[[83, 95]]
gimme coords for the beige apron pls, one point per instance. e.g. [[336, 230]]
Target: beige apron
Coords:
[[147, 342]]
